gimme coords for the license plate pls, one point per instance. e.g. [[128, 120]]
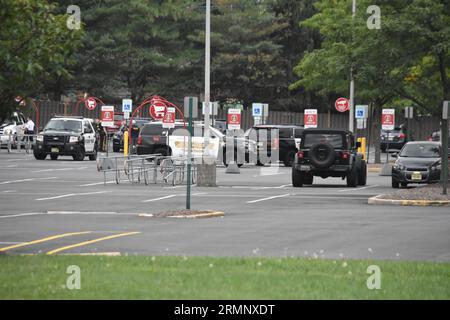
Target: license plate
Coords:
[[54, 150], [391, 138], [305, 168], [416, 176]]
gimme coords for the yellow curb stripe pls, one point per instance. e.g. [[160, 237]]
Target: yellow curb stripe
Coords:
[[90, 242], [43, 240]]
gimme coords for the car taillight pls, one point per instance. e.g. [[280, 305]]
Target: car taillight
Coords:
[[345, 155], [139, 141], [300, 154], [156, 138], [275, 143], [401, 136]]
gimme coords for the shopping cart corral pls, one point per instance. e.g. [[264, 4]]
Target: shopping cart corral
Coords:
[[148, 169], [17, 142]]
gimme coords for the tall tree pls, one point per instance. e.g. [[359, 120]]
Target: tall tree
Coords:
[[35, 47]]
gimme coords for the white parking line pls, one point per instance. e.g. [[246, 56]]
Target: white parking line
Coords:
[[60, 169], [71, 195], [161, 198], [95, 184], [9, 191], [26, 180], [21, 215], [268, 198], [362, 188]]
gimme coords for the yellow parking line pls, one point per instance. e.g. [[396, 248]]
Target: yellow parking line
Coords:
[[43, 240], [90, 241]]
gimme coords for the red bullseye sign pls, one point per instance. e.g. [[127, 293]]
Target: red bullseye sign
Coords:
[[90, 103], [157, 110], [342, 104], [310, 118]]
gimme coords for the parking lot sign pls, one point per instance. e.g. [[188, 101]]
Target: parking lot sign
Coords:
[[388, 119], [127, 105], [169, 118], [361, 111], [107, 116], [234, 119], [310, 118], [257, 109]]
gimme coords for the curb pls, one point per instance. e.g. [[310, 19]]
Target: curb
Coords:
[[374, 170], [212, 214], [422, 203]]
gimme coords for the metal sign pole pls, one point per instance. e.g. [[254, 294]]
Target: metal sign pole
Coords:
[[189, 163], [444, 140]]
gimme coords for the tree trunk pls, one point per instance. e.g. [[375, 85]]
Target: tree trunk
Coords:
[[376, 130]]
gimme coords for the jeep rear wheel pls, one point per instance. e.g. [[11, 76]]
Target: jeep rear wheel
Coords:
[[308, 178], [54, 156], [297, 178], [362, 173], [352, 177]]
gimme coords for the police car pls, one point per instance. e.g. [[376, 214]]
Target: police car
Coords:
[[67, 136]]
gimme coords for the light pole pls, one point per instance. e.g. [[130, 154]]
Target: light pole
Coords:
[[352, 81], [207, 69]]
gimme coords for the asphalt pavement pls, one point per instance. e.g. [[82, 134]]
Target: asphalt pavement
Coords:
[[62, 207]]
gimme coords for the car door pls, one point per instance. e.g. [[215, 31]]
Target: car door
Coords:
[[89, 136]]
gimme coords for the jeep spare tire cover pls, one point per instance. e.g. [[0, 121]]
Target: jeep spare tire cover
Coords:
[[321, 155]]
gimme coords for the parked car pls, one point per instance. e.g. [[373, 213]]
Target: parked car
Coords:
[[118, 136], [73, 136], [417, 162], [11, 126], [287, 143], [220, 125], [328, 153], [394, 139], [436, 136]]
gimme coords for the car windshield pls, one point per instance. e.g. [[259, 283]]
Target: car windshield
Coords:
[[335, 139], [420, 151], [63, 125]]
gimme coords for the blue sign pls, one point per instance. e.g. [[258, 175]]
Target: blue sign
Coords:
[[257, 109], [127, 105], [361, 112]]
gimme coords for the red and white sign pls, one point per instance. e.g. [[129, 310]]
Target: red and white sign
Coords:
[[234, 119], [168, 120], [342, 104], [310, 118], [388, 119], [90, 103], [107, 116], [157, 110]]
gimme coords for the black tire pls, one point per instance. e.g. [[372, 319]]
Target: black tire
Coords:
[[297, 178], [163, 152], [93, 156], [362, 173], [79, 156], [352, 177], [322, 155], [39, 155], [289, 158], [54, 156], [395, 183], [308, 178], [404, 185]]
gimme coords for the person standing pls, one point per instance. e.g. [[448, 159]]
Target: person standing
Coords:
[[29, 127]]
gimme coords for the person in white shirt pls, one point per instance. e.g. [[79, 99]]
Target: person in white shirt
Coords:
[[29, 127]]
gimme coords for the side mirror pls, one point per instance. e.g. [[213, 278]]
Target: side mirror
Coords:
[[394, 155]]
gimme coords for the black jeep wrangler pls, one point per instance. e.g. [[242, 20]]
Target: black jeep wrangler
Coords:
[[328, 153]]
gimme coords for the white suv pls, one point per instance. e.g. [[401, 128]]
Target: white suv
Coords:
[[11, 126]]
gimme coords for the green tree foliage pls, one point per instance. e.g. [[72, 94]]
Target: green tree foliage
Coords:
[[35, 48]]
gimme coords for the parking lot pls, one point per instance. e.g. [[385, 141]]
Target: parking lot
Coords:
[[62, 207]]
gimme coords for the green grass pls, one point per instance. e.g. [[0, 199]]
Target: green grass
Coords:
[[138, 277]]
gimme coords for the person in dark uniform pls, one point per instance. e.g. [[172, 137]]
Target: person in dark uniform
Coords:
[[102, 133], [134, 134]]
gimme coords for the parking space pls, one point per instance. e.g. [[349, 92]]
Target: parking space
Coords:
[[264, 215]]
